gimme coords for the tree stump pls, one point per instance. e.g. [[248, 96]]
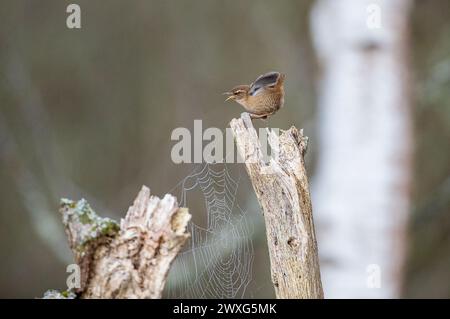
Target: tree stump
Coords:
[[130, 260], [282, 189]]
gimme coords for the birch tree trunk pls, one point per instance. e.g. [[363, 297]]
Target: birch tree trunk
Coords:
[[361, 190]]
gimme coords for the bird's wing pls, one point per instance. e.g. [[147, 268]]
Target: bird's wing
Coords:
[[267, 79]]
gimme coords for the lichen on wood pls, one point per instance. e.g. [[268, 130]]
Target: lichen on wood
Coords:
[[130, 260]]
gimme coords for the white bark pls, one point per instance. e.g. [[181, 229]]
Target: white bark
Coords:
[[361, 190]]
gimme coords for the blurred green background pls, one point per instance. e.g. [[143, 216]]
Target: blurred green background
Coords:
[[89, 113]]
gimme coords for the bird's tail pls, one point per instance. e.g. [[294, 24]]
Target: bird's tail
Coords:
[[280, 80]]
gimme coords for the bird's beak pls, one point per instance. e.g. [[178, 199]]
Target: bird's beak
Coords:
[[231, 96]]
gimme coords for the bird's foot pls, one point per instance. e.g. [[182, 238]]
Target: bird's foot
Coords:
[[259, 116]]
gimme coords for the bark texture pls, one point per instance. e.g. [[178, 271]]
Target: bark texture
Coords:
[[281, 186], [130, 260]]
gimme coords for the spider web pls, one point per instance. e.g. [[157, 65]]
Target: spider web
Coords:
[[217, 261]]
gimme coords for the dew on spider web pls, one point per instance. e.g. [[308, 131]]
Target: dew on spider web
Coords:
[[217, 260]]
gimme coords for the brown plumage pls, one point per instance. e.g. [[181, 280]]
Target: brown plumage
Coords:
[[263, 97]]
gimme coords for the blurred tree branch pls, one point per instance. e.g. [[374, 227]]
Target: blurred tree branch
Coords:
[[37, 173]]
